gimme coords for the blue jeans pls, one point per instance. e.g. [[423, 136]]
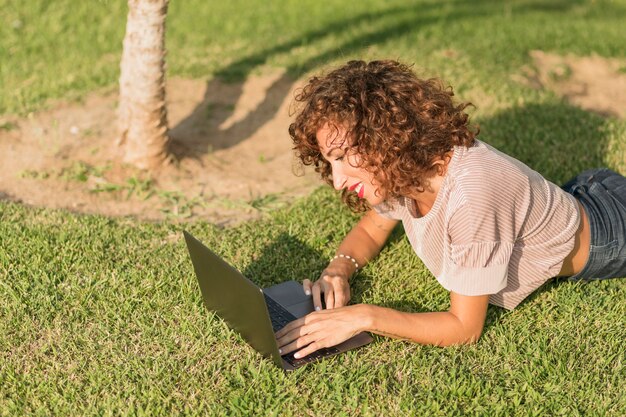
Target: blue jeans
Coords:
[[602, 194]]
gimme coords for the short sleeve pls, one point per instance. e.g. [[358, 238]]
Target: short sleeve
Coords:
[[478, 268], [481, 237]]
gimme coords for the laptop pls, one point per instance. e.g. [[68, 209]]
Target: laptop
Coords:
[[256, 313]]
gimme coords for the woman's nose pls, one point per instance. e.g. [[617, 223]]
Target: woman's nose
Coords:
[[339, 180]]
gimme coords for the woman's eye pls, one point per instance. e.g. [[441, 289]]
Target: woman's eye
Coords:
[[339, 158]]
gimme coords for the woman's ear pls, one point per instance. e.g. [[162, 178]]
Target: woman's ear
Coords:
[[440, 165]]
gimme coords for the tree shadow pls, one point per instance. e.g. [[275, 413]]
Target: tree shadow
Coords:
[[213, 124], [198, 135], [289, 258], [285, 258], [556, 139], [206, 135]]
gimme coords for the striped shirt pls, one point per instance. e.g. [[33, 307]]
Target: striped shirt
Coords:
[[497, 227]]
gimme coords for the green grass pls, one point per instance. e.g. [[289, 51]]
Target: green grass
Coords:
[[63, 49], [103, 316]]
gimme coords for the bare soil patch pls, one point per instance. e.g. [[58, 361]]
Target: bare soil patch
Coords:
[[235, 160], [234, 153], [592, 82]]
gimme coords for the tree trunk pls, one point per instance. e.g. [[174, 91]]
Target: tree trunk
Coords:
[[142, 114]]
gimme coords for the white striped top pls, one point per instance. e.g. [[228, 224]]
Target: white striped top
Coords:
[[497, 227]]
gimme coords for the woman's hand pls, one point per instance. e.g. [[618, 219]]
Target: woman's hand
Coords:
[[333, 282], [322, 329]]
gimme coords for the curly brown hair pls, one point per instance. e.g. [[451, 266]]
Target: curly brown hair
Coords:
[[397, 123]]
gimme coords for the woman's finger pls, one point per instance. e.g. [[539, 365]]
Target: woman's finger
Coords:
[[306, 285], [305, 327], [340, 298], [317, 345], [289, 327], [330, 299], [296, 344], [289, 337], [317, 300]]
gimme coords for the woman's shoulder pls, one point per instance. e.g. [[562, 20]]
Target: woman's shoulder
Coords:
[[483, 165], [484, 177]]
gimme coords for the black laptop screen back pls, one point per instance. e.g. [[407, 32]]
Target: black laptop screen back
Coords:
[[234, 298]]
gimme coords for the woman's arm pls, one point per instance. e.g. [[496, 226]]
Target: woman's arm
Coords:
[[362, 243], [462, 323]]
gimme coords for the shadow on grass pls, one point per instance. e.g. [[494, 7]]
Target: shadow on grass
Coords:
[[289, 258], [193, 136], [286, 258], [555, 139]]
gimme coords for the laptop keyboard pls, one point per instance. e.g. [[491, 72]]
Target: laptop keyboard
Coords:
[[280, 317]]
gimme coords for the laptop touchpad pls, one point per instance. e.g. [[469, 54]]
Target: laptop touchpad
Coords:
[[301, 309], [290, 295]]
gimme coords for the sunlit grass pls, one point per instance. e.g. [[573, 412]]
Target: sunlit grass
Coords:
[[63, 49], [103, 316]]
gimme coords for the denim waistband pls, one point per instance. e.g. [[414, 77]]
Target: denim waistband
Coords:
[[602, 193]]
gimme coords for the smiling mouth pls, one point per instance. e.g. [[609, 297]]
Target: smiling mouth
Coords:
[[358, 188]]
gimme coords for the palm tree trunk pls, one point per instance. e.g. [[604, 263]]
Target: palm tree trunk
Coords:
[[142, 114]]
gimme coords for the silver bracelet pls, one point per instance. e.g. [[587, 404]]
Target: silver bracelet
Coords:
[[348, 257]]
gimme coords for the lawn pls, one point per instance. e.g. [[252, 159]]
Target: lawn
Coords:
[[103, 316]]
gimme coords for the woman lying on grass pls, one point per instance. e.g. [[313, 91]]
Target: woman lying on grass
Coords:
[[490, 229]]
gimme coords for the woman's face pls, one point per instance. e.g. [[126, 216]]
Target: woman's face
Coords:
[[345, 166]]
